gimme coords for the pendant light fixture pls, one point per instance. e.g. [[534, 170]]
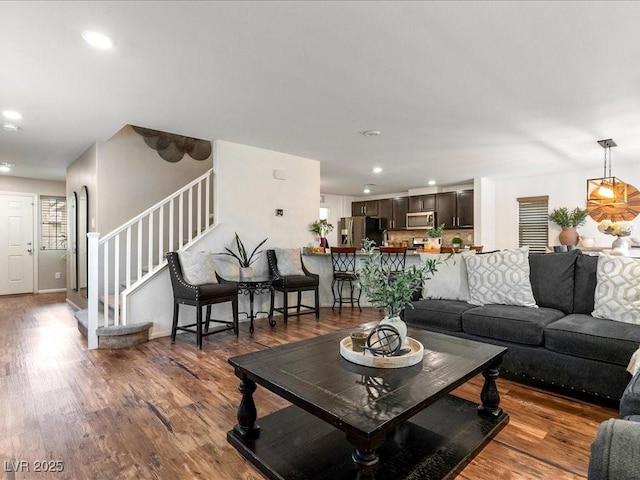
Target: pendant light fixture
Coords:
[[607, 190]]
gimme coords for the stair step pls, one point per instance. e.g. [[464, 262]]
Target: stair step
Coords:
[[115, 336]]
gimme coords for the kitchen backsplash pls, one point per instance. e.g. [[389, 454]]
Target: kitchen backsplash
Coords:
[[399, 236]]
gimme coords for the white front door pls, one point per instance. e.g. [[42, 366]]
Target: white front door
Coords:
[[16, 243]]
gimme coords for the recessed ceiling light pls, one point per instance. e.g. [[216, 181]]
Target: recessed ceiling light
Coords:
[[5, 167], [366, 190], [9, 127], [431, 182], [98, 40], [371, 133], [377, 170], [11, 114]]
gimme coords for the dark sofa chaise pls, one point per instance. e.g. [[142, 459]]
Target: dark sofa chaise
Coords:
[[559, 344]]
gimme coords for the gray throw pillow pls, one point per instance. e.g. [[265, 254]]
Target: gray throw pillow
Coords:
[[197, 267], [450, 281], [289, 261], [617, 294], [500, 278]]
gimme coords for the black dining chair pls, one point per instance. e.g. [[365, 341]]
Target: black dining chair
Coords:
[[394, 258], [292, 283], [200, 296], [343, 260]]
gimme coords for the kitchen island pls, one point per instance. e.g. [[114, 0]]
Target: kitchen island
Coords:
[[320, 263]]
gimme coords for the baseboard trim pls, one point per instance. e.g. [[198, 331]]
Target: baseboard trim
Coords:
[[53, 290]]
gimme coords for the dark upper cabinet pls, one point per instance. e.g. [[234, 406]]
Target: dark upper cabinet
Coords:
[[455, 209], [395, 210], [446, 209], [465, 209], [368, 208], [422, 203]]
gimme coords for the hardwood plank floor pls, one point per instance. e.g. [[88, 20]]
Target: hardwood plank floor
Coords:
[[162, 410]]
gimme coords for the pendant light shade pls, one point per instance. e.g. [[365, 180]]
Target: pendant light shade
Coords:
[[606, 190]]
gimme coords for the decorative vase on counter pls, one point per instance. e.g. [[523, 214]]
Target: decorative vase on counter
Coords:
[[569, 236], [246, 272], [620, 247], [433, 243], [324, 242]]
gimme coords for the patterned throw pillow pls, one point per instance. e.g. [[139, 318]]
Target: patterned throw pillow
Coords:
[[617, 295], [500, 278], [289, 261], [450, 281], [197, 267]]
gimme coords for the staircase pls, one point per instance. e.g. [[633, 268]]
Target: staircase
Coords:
[[125, 259]]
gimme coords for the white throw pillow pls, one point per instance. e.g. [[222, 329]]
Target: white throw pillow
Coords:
[[617, 295], [289, 261], [450, 281], [500, 278], [198, 268]]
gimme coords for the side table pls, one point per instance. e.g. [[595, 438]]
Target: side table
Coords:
[[256, 285]]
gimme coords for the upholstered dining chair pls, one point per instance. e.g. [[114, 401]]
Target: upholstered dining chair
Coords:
[[201, 295], [343, 260], [290, 275], [394, 258]]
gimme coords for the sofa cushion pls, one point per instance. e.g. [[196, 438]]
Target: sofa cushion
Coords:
[[440, 314], [510, 323], [289, 261], [630, 401], [500, 278], [617, 295], [198, 268], [552, 279], [585, 284], [450, 281], [595, 338]]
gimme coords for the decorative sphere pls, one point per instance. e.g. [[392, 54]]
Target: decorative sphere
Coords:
[[384, 341]]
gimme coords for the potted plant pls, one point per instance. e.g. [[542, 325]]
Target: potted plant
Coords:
[[568, 220], [391, 293], [456, 243], [245, 260], [434, 242], [321, 228]]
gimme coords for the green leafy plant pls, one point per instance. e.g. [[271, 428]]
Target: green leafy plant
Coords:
[[436, 232], [456, 240], [321, 228], [565, 218], [391, 293], [242, 257]]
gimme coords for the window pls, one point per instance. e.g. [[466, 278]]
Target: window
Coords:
[[324, 213], [533, 223], [53, 223]]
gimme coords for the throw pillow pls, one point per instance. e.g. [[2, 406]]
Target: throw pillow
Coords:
[[289, 261], [198, 268], [617, 295], [450, 281], [500, 278]]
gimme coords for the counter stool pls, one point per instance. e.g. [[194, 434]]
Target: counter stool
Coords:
[[394, 258], [344, 271]]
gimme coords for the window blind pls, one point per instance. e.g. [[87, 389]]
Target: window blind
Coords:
[[533, 223], [53, 223]]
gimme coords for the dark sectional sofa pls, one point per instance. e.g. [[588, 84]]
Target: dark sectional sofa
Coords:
[[559, 344]]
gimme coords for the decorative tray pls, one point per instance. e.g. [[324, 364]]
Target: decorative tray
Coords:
[[368, 360]]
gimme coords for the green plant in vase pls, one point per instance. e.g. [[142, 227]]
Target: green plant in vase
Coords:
[[321, 228], [244, 259], [569, 220]]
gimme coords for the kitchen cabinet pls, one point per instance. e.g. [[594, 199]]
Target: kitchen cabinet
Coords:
[[395, 210], [455, 209], [367, 208], [422, 203]]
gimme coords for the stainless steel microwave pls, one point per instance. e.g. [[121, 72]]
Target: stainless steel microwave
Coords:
[[420, 220]]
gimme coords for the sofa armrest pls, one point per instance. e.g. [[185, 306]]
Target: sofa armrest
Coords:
[[630, 400], [615, 452]]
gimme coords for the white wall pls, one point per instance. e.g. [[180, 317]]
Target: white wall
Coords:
[[246, 196], [338, 207], [566, 189]]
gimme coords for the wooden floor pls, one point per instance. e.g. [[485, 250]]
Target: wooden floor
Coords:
[[162, 410]]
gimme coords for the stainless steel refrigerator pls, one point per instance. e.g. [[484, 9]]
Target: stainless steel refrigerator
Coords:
[[354, 229]]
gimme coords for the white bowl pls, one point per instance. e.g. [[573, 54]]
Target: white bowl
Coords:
[[634, 240], [587, 242]]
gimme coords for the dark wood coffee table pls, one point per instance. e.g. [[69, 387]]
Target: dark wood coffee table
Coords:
[[348, 421]]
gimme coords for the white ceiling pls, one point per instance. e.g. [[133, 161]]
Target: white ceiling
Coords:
[[458, 89]]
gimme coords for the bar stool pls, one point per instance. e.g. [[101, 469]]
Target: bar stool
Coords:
[[344, 271], [394, 258]]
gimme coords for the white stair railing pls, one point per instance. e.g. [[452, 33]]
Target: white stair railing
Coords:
[[121, 261]]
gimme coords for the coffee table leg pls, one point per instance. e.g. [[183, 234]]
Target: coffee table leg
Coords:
[[247, 415], [366, 462], [489, 396]]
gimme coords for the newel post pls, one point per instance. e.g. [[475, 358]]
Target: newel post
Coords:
[[92, 287]]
